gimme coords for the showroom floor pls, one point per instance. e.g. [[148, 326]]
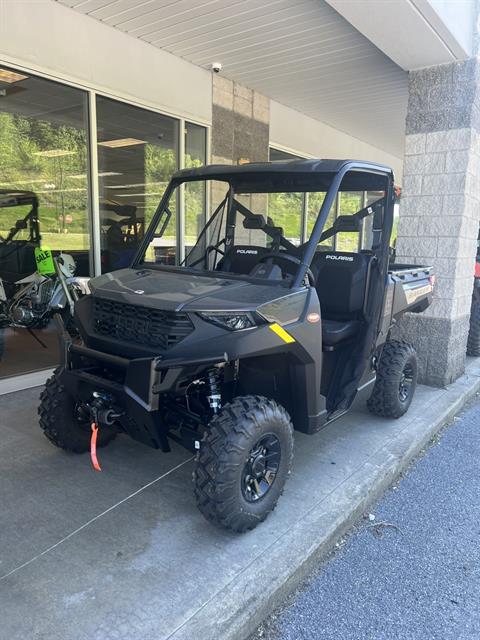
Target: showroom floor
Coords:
[[20, 353], [124, 553]]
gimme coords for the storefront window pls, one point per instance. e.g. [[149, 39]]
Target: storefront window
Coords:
[[45, 188], [349, 203], [286, 209], [314, 204], [137, 154], [43, 206], [195, 192], [275, 155]]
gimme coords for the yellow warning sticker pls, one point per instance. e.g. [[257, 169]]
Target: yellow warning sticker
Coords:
[[281, 333]]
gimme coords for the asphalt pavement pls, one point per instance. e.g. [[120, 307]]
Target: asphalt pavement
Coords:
[[410, 570]]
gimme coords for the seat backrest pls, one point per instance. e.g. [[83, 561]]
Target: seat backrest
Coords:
[[341, 283], [242, 258]]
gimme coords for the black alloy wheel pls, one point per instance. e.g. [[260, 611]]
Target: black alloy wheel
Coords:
[[406, 382], [397, 373], [261, 468]]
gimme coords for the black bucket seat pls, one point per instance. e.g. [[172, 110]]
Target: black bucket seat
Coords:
[[341, 283], [242, 258]]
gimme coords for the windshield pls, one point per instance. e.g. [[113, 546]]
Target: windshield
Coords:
[[258, 233]]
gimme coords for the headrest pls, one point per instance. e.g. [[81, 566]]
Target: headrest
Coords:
[[254, 221]]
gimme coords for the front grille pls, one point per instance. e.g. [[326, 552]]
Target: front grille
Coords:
[[141, 325]]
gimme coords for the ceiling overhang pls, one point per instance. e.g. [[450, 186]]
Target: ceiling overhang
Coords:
[[414, 33], [341, 62]]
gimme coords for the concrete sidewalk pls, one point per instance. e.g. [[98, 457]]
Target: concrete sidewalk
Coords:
[[125, 554]]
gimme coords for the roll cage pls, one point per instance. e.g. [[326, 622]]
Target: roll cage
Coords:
[[12, 198], [331, 176]]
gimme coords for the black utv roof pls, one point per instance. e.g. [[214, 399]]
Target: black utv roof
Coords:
[[289, 175], [15, 198]]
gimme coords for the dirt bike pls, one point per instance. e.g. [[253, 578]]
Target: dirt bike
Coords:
[[52, 288], [34, 284]]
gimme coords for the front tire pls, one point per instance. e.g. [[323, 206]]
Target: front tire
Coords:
[[243, 463], [64, 422], [397, 374]]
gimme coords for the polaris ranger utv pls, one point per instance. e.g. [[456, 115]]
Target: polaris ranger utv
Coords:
[[252, 336]]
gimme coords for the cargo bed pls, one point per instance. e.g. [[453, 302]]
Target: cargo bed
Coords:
[[410, 287]]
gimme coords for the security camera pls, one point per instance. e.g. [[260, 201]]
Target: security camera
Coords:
[[216, 67]]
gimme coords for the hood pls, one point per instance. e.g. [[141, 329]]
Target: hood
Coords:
[[177, 291]]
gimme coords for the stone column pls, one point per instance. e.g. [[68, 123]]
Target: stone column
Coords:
[[240, 133], [240, 123], [439, 210]]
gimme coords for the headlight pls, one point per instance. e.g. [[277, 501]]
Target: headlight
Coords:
[[232, 321]]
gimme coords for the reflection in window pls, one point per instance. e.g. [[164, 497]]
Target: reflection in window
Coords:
[[275, 155], [367, 228], [43, 151], [286, 211], [349, 203], [137, 154], [194, 192], [314, 204]]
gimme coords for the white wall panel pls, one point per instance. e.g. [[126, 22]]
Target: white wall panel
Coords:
[[50, 37], [300, 134]]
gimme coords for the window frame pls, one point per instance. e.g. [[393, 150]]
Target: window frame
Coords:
[[92, 180]]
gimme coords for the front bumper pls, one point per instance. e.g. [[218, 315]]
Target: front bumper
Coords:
[[136, 385]]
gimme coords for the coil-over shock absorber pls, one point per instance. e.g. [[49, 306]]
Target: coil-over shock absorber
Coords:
[[214, 396]]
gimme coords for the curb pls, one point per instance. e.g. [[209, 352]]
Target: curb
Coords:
[[236, 611]]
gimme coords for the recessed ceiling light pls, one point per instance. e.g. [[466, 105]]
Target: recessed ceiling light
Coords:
[[121, 142], [10, 76], [54, 153]]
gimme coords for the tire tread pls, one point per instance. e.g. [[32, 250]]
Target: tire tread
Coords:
[[384, 400], [230, 430]]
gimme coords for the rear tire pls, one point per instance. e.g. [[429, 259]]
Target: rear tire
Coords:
[[244, 460], [397, 374], [473, 342], [62, 420]]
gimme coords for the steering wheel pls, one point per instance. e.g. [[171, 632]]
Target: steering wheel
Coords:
[[289, 258]]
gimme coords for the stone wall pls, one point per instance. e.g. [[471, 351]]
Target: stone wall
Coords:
[[240, 123], [439, 210], [240, 133]]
